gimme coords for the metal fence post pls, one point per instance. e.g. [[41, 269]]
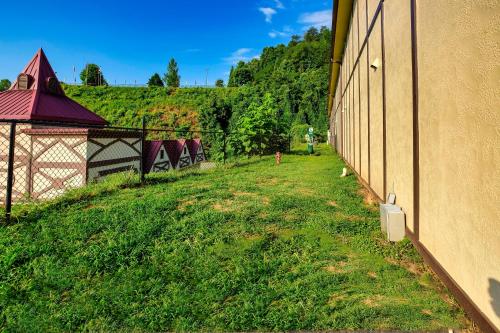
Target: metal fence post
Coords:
[[10, 172], [224, 146], [260, 147], [143, 148]]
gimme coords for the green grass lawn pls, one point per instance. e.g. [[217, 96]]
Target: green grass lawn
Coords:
[[251, 246]]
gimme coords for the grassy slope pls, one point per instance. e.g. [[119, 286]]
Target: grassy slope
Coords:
[[249, 247], [125, 106]]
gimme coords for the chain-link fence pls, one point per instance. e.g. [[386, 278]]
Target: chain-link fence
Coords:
[[42, 160]]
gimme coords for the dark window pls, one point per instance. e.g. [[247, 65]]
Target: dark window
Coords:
[[185, 150], [162, 154]]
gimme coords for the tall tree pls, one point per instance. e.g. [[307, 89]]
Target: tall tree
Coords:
[[242, 74], [92, 75], [219, 83], [230, 82], [4, 84], [155, 81], [294, 40], [256, 128], [311, 35], [172, 78]]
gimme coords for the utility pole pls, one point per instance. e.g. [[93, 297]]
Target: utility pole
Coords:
[[74, 74], [206, 77]]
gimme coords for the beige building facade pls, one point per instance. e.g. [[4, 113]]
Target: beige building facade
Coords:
[[414, 105]]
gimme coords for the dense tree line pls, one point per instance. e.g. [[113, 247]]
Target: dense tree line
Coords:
[[281, 93], [4, 84], [266, 100]]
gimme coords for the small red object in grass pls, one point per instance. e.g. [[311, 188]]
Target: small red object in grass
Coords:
[[278, 158]]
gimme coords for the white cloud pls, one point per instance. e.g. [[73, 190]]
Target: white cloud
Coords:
[[279, 4], [286, 32], [268, 13], [317, 19], [243, 54]]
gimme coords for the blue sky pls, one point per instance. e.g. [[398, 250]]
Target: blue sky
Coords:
[[131, 40]]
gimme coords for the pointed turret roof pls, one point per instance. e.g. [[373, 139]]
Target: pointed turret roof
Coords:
[[41, 97]]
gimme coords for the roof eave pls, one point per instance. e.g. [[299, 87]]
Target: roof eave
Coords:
[[342, 10]]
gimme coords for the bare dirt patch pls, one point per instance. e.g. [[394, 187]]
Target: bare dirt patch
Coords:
[[338, 268], [290, 217], [336, 298], [373, 301], [243, 194], [427, 312], [373, 275], [226, 206], [345, 217], [332, 203], [305, 191], [263, 215], [267, 181], [252, 237], [370, 200], [184, 204], [414, 268]]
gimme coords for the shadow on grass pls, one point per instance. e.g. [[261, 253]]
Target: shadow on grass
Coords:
[[32, 211], [303, 153]]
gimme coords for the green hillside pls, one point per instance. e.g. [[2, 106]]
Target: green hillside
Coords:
[[282, 92], [125, 106]]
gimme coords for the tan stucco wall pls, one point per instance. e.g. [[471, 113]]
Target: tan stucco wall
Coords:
[[21, 162], [459, 112], [59, 151], [119, 149], [459, 121], [376, 119], [399, 104], [364, 115], [115, 149]]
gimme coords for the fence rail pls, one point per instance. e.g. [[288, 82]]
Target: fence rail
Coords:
[[138, 85]]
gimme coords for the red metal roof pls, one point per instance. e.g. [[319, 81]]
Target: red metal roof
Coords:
[[38, 102], [152, 148], [174, 150], [193, 145]]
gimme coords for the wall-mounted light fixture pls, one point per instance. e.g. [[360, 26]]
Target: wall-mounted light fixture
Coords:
[[376, 64]]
